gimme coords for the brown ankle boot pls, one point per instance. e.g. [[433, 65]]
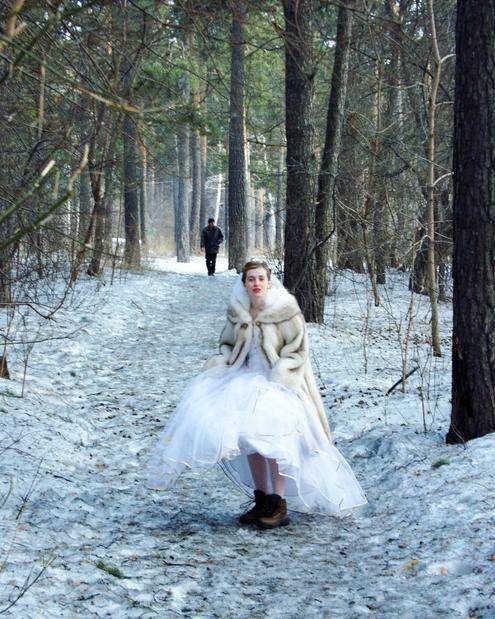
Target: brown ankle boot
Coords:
[[276, 513], [258, 509]]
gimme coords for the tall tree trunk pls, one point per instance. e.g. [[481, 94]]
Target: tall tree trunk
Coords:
[[324, 216], [394, 13], [279, 208], [5, 270], [269, 224], [349, 232], [132, 254], [203, 147], [84, 204], [391, 133], [260, 217], [417, 280], [194, 222], [154, 231], [301, 163], [473, 350], [143, 196], [218, 197], [431, 184], [100, 185], [237, 217], [250, 199], [204, 198], [370, 203], [184, 182], [110, 215]]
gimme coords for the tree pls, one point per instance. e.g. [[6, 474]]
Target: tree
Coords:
[[132, 257], [237, 228], [473, 350], [182, 216], [324, 222], [301, 162]]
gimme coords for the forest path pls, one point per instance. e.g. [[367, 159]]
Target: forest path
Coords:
[[182, 552]]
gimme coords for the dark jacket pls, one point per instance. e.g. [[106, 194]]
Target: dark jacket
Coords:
[[211, 239]]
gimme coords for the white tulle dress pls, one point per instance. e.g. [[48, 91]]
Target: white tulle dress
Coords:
[[227, 413]]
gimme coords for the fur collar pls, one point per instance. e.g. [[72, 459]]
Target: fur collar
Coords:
[[280, 305]]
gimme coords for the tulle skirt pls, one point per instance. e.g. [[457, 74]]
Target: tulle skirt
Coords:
[[227, 413]]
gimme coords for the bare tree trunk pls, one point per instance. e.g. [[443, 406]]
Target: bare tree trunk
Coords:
[[417, 281], [260, 218], [143, 197], [237, 217], [184, 182], [5, 294], [269, 224], [109, 210], [431, 184], [349, 229], [250, 199], [301, 164], [132, 253], [473, 350], [203, 147], [194, 222], [395, 125], [370, 204], [218, 197], [100, 185], [203, 152], [324, 217], [84, 204], [279, 208]]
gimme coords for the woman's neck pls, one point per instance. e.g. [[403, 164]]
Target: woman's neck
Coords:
[[255, 308]]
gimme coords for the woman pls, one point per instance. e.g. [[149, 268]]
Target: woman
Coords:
[[257, 412]]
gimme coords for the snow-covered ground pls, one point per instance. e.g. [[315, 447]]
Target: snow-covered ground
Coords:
[[74, 506]]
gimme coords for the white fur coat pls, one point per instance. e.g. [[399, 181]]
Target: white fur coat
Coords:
[[283, 340]]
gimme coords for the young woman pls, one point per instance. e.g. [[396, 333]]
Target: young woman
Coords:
[[256, 410]]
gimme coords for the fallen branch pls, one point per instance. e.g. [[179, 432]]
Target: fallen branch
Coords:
[[401, 380]]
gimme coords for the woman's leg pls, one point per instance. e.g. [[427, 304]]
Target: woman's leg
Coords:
[[257, 464], [278, 481]]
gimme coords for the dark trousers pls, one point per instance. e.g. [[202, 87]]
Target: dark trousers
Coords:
[[211, 260]]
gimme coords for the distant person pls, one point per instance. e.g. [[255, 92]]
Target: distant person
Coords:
[[211, 238], [257, 411]]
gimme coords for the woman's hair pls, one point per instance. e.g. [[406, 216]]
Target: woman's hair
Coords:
[[255, 264]]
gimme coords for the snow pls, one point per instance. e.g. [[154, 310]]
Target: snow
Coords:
[[73, 451]]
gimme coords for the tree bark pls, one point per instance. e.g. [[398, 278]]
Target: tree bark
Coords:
[[473, 350], [84, 204], [324, 216], [143, 195], [301, 163], [132, 254], [184, 182], [370, 204], [259, 202], [279, 209], [430, 188], [204, 198], [194, 222], [237, 216]]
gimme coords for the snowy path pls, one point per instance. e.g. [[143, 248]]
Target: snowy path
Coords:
[[93, 409]]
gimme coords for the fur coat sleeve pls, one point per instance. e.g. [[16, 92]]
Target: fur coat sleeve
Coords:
[[226, 345]]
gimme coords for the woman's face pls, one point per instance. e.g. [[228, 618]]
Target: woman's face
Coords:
[[257, 284]]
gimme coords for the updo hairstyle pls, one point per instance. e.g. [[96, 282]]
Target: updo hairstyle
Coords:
[[255, 264]]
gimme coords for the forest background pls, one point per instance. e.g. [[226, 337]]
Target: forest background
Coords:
[[317, 134], [348, 143]]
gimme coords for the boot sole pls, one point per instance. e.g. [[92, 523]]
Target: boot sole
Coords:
[[264, 525], [250, 522]]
